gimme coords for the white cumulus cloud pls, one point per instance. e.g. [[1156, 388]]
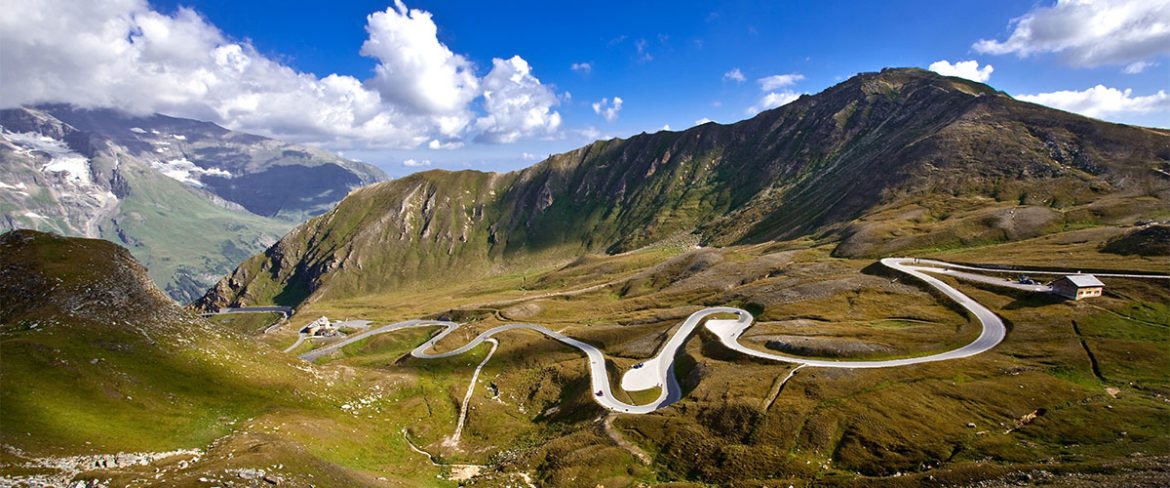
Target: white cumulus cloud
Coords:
[[774, 97], [517, 105], [963, 69], [772, 100], [607, 109], [773, 82], [414, 69], [1102, 102], [582, 67], [589, 134], [412, 163], [1089, 33], [734, 75]]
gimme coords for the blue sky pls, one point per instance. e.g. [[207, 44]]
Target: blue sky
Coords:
[[670, 63]]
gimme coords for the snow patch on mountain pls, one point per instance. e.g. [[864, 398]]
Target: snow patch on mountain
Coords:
[[76, 167], [186, 172], [62, 159]]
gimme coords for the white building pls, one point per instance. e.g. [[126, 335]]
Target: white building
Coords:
[[1076, 287]]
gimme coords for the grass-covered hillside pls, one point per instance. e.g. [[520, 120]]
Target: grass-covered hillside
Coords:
[[882, 163], [103, 378]]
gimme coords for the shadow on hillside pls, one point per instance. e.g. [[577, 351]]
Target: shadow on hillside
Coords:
[[1034, 300]]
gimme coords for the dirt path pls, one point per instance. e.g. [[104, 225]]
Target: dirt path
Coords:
[[551, 294], [623, 442], [453, 441], [1127, 317], [777, 388], [459, 472]]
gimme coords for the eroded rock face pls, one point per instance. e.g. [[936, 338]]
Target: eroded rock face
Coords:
[[54, 177]]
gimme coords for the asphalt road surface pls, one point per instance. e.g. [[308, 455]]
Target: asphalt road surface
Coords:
[[287, 311]]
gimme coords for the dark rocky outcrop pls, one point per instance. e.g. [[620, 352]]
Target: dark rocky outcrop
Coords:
[[1148, 240]]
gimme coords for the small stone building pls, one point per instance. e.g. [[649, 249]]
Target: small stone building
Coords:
[[320, 327], [1076, 287]]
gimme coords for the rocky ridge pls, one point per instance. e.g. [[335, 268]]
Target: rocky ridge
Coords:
[[882, 162]]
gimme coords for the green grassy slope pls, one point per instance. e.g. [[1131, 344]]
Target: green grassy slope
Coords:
[[98, 352], [181, 236], [1076, 391], [94, 360]]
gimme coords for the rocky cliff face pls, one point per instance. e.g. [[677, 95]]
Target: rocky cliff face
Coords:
[[190, 199], [889, 161]]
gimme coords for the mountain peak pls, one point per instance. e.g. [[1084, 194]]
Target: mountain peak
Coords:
[[898, 85], [899, 77], [817, 167]]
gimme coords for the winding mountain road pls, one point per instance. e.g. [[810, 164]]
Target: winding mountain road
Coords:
[[406, 324], [1013, 269], [286, 311], [658, 371]]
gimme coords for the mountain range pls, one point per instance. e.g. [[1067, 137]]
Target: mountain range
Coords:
[[882, 163], [190, 199]]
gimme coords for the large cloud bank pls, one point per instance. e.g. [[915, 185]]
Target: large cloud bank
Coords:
[[123, 54]]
